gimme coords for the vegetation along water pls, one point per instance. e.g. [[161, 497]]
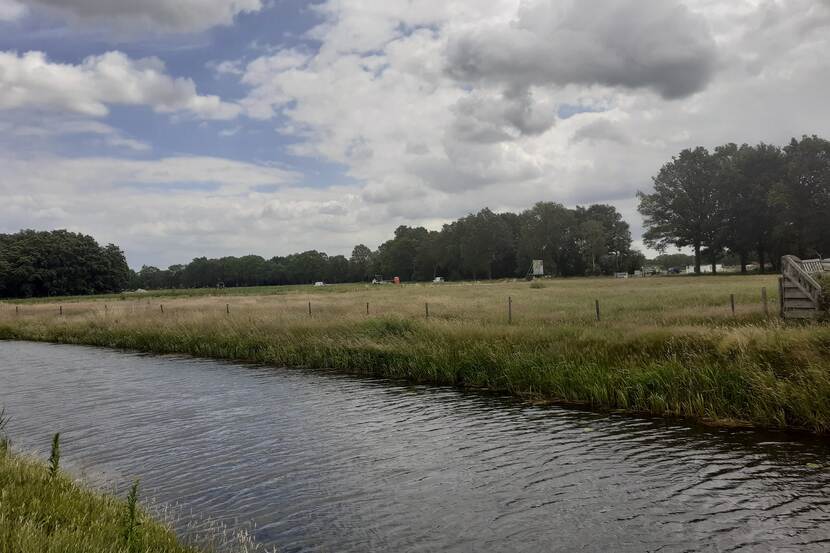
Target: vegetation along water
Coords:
[[665, 346]]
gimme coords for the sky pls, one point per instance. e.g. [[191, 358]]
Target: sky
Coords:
[[184, 128]]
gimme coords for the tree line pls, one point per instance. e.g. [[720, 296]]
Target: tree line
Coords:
[[755, 202], [58, 263], [590, 240]]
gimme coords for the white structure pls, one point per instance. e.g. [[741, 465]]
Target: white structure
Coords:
[[438, 280], [538, 268], [319, 283], [704, 268]]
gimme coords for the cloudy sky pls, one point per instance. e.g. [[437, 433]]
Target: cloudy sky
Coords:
[[217, 127]]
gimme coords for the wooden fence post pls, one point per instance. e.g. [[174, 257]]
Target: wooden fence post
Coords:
[[228, 308], [764, 300], [781, 296], [367, 307], [596, 306], [426, 310], [161, 307], [732, 301], [60, 310], [309, 309], [17, 310], [509, 310]]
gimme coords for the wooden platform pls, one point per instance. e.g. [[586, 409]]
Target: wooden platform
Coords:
[[799, 291]]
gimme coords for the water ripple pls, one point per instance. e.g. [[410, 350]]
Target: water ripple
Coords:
[[317, 461]]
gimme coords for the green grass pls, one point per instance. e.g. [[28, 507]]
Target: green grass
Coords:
[[40, 513], [666, 346]]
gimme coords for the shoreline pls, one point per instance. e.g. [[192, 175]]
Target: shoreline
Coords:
[[767, 377], [43, 512]]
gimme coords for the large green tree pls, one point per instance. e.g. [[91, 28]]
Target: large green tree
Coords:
[[684, 209]]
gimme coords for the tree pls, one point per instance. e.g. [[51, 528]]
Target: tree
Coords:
[[803, 198], [59, 263], [684, 210], [746, 180], [360, 262]]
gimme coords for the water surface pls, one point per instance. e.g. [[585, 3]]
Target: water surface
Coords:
[[325, 462]]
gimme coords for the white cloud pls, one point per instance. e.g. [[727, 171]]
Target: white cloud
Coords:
[[154, 15], [169, 210], [443, 107], [426, 137], [32, 127], [30, 80], [11, 10]]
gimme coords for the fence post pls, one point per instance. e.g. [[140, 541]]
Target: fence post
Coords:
[[509, 310], [596, 306], [60, 310], [309, 309], [732, 301], [426, 310], [228, 308], [17, 310], [781, 296], [367, 307], [764, 300], [161, 307]]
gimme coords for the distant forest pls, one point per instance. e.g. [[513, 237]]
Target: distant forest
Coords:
[[586, 240], [742, 203]]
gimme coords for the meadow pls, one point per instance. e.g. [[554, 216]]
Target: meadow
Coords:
[[662, 345]]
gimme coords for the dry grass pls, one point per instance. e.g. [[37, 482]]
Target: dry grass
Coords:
[[664, 345]]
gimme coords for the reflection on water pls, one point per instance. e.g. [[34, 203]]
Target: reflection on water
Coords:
[[323, 462]]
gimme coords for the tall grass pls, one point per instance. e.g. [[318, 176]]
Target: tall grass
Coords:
[[665, 346], [42, 513]]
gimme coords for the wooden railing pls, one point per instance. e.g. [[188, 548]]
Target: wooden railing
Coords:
[[814, 266], [793, 270]]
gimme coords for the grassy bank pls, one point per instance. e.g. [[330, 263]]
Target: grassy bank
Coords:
[[667, 346], [40, 513]]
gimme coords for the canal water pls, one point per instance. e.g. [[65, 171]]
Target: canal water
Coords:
[[315, 461]]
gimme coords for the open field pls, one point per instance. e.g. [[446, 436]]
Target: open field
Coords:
[[666, 345]]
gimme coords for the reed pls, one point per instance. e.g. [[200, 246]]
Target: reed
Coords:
[[666, 346]]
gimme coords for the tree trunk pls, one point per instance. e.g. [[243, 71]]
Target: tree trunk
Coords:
[[762, 261], [697, 258]]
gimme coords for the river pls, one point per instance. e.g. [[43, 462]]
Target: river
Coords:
[[317, 461]]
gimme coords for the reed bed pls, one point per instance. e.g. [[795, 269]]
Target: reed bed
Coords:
[[665, 346]]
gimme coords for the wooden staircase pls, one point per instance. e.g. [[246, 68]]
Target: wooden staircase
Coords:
[[799, 292]]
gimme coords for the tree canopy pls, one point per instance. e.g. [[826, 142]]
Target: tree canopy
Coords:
[[59, 263], [749, 200]]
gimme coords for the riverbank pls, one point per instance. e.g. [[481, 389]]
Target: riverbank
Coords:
[[43, 513], [695, 360]]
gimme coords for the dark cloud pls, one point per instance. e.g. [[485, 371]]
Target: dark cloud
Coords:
[[657, 44], [485, 119]]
